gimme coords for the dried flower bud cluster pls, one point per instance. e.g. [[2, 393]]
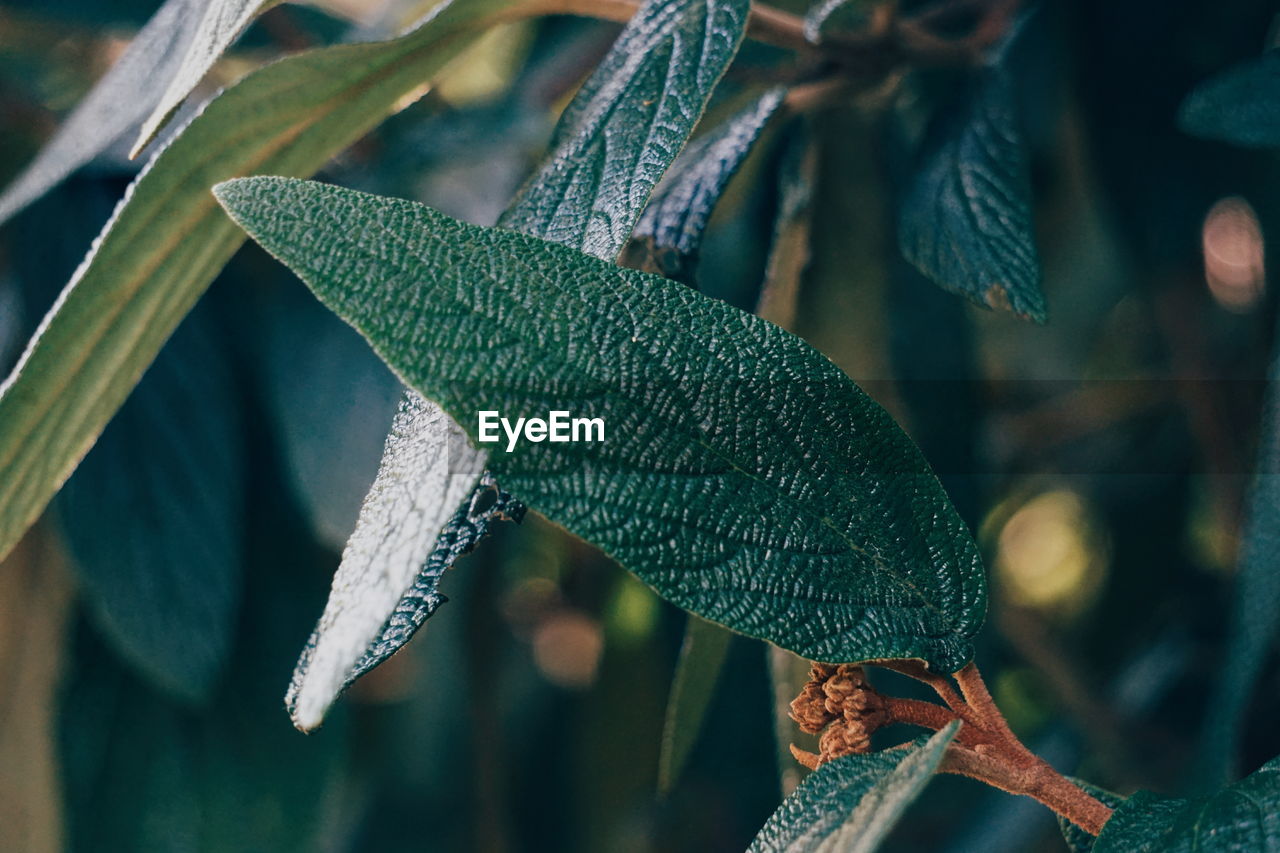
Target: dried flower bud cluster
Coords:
[[839, 703]]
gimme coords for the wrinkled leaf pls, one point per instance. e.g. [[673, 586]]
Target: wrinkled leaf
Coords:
[[1240, 105], [167, 240], [1242, 818], [118, 102], [702, 657], [153, 517], [1077, 839], [220, 23], [670, 230], [965, 217], [743, 475], [850, 804], [435, 476], [634, 121], [628, 122]]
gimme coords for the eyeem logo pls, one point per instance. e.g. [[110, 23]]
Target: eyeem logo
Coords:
[[558, 426]]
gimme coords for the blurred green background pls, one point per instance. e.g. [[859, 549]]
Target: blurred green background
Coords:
[[149, 624]]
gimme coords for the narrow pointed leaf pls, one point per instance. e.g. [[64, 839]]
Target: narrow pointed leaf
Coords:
[[850, 805], [642, 101], [1240, 105], [117, 102], [743, 476], [167, 240], [670, 230], [1241, 818], [633, 121], [220, 23], [154, 517], [702, 657], [435, 477], [965, 218]]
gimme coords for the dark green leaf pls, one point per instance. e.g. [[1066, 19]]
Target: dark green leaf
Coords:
[[702, 656], [153, 517], [635, 121], [1242, 818], [965, 216], [850, 804], [1240, 105], [1255, 615], [168, 240], [743, 475], [670, 230], [645, 98]]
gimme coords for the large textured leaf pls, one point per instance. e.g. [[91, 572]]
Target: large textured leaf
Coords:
[[167, 240], [632, 121], [1240, 105], [1242, 818], [965, 217], [743, 475], [702, 656], [850, 804], [1255, 615], [670, 230], [628, 122], [118, 102], [154, 516], [220, 23]]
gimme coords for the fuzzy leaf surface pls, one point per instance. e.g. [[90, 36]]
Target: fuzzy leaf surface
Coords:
[[743, 476], [850, 804]]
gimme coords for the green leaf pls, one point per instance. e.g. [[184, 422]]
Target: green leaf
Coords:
[[965, 217], [645, 97], [1239, 105], [119, 101], [1255, 616], [852, 803], [154, 515], [168, 240], [634, 121], [220, 23], [1077, 839], [671, 227], [1241, 818], [743, 476], [702, 657]]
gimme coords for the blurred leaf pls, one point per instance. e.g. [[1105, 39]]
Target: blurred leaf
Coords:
[[382, 576], [965, 215], [791, 248], [635, 121], [1242, 817], [1079, 841], [1255, 616], [670, 230], [839, 16], [119, 101], [1240, 105], [644, 98], [220, 23], [702, 657], [154, 515], [850, 804], [818, 525], [167, 241]]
